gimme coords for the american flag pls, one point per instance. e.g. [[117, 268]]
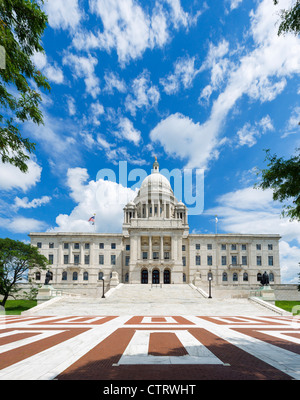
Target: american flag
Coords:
[[92, 219]]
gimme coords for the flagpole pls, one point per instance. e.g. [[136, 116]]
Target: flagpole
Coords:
[[216, 219], [95, 223]]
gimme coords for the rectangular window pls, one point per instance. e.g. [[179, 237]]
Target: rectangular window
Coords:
[[270, 247], [244, 260], [113, 259], [101, 245], [223, 246], [198, 260], [270, 261], [234, 260], [127, 259], [258, 247], [209, 260], [113, 246], [155, 255], [51, 245], [233, 247], [145, 255], [183, 247], [66, 245], [86, 259], [244, 247], [101, 259], [197, 246], [86, 246], [51, 259], [76, 246], [127, 247], [258, 260], [209, 247], [166, 255], [39, 245], [66, 259], [76, 258], [184, 261], [224, 260]]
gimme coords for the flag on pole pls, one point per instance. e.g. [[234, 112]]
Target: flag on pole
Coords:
[[92, 220]]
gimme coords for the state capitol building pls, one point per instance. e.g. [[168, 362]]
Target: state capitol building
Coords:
[[155, 247]]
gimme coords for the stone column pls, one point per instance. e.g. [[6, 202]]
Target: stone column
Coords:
[[162, 248], [150, 247]]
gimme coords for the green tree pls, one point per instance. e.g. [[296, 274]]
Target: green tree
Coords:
[[22, 23], [16, 259], [283, 177], [290, 19]]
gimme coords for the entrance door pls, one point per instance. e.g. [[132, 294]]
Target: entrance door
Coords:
[[167, 276], [144, 277], [155, 276]]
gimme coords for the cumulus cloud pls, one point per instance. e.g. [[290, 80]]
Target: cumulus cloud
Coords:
[[248, 134], [52, 72], [24, 203], [19, 224], [64, 14]]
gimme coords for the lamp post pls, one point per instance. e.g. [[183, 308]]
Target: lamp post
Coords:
[[209, 280], [103, 297]]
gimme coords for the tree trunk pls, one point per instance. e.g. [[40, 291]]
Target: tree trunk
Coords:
[[3, 301]]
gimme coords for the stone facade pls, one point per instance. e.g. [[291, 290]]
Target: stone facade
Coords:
[[156, 247]]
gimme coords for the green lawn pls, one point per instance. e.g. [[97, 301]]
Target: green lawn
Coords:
[[15, 307], [288, 305]]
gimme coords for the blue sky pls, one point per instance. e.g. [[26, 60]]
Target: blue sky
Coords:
[[200, 84]]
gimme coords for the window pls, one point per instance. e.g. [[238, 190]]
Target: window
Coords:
[[64, 276], [127, 277], [85, 276], [50, 257], [209, 246], [86, 246], [75, 276], [184, 261], [100, 275], [113, 246], [244, 247], [197, 246], [37, 276], [235, 277], [127, 247], [209, 260], [101, 259], [39, 245], [113, 259], [66, 245], [258, 247], [101, 245], [183, 277], [166, 255], [271, 277], [244, 260], [233, 247], [86, 259], [224, 277], [258, 276], [51, 245], [223, 246], [145, 255], [270, 247], [183, 247], [127, 259], [270, 260], [224, 260], [155, 255], [198, 260], [76, 246], [76, 258], [234, 260], [258, 260], [66, 259], [245, 277]]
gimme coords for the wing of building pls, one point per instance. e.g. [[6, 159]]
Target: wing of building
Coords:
[[156, 247]]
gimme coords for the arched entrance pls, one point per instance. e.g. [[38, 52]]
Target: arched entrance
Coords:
[[155, 276], [144, 276], [167, 276]]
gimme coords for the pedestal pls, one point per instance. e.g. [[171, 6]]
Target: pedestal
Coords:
[[44, 293], [114, 281], [267, 294]]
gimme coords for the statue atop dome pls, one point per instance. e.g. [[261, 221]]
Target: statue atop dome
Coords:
[[155, 165]]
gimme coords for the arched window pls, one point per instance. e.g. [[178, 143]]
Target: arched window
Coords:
[[224, 277], [235, 277], [37, 276], [245, 277], [100, 275], [271, 277], [85, 276], [184, 278], [75, 276], [64, 276]]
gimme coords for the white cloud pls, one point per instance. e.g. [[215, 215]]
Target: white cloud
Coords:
[[113, 81], [71, 105], [84, 67], [128, 132], [20, 224], [12, 178], [235, 4], [292, 125], [253, 211], [24, 203], [52, 72], [63, 14], [104, 198], [97, 109], [248, 134], [144, 94]]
